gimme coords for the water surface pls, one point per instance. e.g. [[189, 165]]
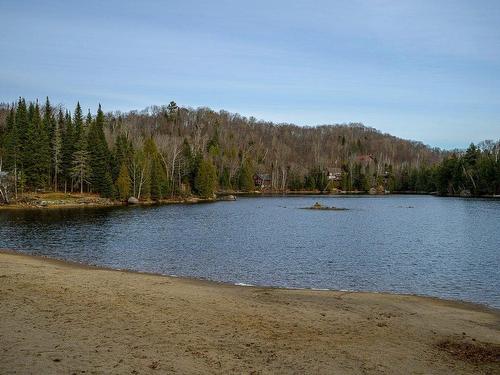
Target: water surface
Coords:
[[444, 247]]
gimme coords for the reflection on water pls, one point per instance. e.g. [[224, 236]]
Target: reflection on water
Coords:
[[443, 247]]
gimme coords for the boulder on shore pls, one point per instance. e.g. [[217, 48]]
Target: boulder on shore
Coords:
[[229, 197], [465, 193], [133, 200]]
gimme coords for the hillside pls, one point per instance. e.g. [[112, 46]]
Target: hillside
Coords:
[[170, 150]]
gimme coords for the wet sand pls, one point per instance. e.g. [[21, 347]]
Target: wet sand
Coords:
[[58, 317]]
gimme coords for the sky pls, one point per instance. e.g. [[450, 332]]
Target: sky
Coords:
[[424, 70]]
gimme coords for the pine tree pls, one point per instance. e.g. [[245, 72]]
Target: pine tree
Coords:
[[122, 153], [49, 125], [157, 187], [37, 151], [172, 111], [78, 126], [206, 179], [56, 153], [80, 170], [123, 183], [68, 148], [11, 143], [246, 182], [22, 125], [80, 157], [100, 177]]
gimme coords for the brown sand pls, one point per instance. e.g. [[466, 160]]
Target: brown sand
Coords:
[[59, 317]]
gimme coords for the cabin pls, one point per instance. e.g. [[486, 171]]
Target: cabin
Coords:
[[365, 159], [334, 174], [262, 181]]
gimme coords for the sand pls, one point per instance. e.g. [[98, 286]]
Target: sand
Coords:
[[59, 317]]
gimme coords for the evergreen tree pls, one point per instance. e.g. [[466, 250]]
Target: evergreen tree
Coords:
[[192, 161], [99, 157], [11, 143], [122, 154], [172, 111], [56, 153], [80, 170], [37, 151], [22, 125], [206, 179], [49, 126], [123, 183], [80, 157], [245, 180], [225, 179], [68, 148], [155, 187], [78, 126]]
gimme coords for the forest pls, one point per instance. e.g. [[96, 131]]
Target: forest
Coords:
[[169, 151]]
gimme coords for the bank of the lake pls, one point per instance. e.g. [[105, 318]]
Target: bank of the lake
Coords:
[[62, 317], [76, 200]]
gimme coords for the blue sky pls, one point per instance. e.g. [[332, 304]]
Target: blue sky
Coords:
[[424, 70]]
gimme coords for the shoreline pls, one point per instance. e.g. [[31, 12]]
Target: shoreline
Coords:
[[107, 203], [62, 317], [71, 263], [97, 202]]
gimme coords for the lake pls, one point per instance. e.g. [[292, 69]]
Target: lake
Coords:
[[443, 247]]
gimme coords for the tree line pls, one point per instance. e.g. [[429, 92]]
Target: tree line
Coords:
[[475, 172], [169, 151]]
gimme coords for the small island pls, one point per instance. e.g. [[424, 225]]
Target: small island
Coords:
[[319, 206]]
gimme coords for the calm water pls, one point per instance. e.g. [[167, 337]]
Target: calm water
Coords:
[[443, 247]]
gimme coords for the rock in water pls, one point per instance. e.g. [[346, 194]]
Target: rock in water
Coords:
[[133, 200], [465, 193], [227, 198]]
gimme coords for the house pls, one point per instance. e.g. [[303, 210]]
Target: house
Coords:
[[334, 174], [262, 180], [365, 159]]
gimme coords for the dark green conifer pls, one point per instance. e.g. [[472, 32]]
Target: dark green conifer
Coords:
[[68, 148], [78, 126], [206, 179], [37, 151], [245, 180], [100, 177]]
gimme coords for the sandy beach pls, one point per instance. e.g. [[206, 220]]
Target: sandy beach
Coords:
[[59, 317]]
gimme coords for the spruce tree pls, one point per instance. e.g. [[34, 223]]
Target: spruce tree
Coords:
[[78, 126], [68, 147], [56, 153], [36, 154], [11, 143], [159, 182], [122, 153], [206, 179], [246, 182], [49, 125], [22, 125], [99, 157]]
